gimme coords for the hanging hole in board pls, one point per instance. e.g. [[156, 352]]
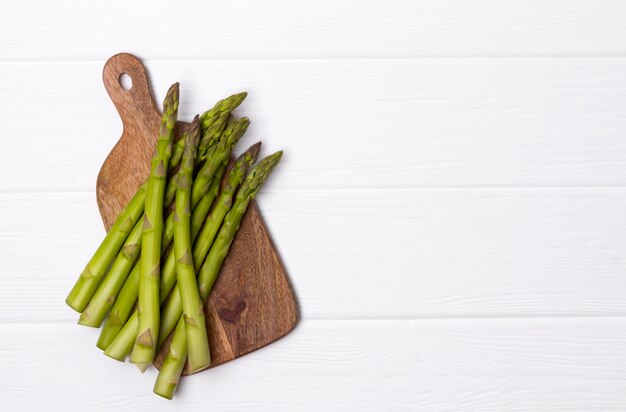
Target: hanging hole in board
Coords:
[[125, 81]]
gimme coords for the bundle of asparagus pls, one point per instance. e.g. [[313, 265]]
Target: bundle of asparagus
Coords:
[[154, 270]]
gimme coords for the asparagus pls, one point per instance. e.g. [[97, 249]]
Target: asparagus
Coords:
[[122, 344], [202, 209], [195, 326], [172, 309], [177, 152], [173, 364], [121, 310], [168, 377], [90, 278], [248, 191], [120, 347], [219, 154], [207, 118], [108, 290], [145, 345]]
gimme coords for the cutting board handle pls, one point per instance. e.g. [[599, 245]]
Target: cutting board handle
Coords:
[[135, 105]]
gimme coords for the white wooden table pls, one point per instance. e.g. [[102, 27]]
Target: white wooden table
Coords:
[[451, 207]]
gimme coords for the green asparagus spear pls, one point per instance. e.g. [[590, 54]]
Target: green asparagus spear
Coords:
[[202, 209], [171, 311], [173, 364], [108, 290], [121, 310], [145, 345], [122, 344], [177, 152], [195, 327], [213, 263], [248, 191], [93, 273], [207, 118], [217, 156]]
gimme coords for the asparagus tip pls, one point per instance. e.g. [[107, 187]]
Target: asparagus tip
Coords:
[[172, 93], [240, 97], [241, 126], [253, 151], [194, 128]]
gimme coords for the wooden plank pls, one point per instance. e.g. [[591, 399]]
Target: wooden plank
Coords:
[[371, 254], [462, 365], [337, 29], [346, 124]]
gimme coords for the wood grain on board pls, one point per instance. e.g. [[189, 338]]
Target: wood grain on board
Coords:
[[251, 304]]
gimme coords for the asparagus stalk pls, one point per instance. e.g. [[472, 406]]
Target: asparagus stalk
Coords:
[[173, 364], [168, 377], [195, 326], [121, 310], [202, 209], [145, 345], [177, 152], [92, 275], [248, 191], [207, 118], [108, 290], [219, 154], [120, 346], [172, 310]]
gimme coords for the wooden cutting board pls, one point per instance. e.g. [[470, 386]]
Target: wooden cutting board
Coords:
[[252, 303]]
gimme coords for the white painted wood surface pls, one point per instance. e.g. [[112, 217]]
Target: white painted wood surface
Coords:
[[451, 207]]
